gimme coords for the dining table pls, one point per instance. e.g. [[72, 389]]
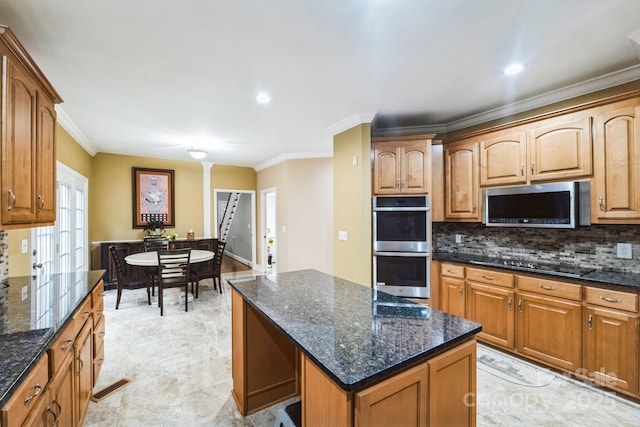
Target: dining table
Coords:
[[150, 259]]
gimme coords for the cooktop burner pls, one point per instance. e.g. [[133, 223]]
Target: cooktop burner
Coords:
[[565, 270]]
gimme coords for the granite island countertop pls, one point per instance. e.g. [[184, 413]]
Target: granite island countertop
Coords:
[[33, 310], [587, 275], [356, 335]]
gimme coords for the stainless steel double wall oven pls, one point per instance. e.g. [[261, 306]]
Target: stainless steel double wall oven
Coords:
[[402, 245]]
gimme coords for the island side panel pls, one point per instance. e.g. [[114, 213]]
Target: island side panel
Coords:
[[324, 403], [264, 362], [452, 386]]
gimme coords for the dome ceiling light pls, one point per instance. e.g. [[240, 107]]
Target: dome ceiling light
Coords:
[[197, 153]]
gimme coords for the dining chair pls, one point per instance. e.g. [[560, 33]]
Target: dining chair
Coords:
[[203, 270], [173, 271], [126, 275], [217, 264], [151, 244]]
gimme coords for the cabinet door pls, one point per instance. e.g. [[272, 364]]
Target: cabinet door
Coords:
[[503, 159], [611, 348], [386, 169], [18, 147], [560, 149], [46, 161], [452, 298], [461, 183], [492, 307], [548, 329], [61, 395], [398, 401], [452, 387], [415, 168], [616, 189], [83, 375]]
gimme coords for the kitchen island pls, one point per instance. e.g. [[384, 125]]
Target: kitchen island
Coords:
[[350, 353]]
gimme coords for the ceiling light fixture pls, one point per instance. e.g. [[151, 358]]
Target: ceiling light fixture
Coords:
[[513, 69], [196, 153], [263, 98]]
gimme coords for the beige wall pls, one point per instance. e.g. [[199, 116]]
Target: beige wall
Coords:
[[352, 204], [304, 206], [69, 152]]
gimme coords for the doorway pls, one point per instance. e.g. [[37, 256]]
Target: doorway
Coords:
[[241, 240], [269, 247]]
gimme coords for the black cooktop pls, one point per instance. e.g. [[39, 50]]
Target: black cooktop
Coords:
[[572, 271]]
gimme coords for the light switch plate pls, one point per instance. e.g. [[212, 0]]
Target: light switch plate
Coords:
[[342, 235], [25, 246], [624, 250]]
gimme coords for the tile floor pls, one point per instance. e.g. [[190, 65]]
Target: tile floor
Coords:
[[180, 365]]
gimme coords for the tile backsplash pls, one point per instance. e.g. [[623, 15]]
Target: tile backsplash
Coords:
[[593, 246]]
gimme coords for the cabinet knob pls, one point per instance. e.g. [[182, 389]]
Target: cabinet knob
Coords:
[[601, 203], [522, 170], [520, 305], [41, 200], [13, 200], [38, 390], [509, 303], [461, 289], [590, 321], [397, 183], [533, 170]]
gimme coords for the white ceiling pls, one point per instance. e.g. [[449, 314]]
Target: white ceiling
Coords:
[[154, 77]]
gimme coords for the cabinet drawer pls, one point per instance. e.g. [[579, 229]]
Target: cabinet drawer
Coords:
[[83, 313], [62, 346], [97, 295], [550, 287], [452, 270], [490, 277], [27, 395], [613, 299], [98, 334]]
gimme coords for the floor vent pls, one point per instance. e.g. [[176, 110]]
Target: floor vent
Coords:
[[109, 390]]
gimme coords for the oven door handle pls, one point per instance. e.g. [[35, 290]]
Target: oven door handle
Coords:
[[405, 254]]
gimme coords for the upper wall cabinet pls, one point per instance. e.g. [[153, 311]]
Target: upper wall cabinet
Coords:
[[27, 144], [462, 192], [615, 193], [560, 148], [402, 165], [503, 158], [549, 150]]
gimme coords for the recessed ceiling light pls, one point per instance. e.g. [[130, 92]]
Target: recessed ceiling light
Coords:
[[513, 69], [263, 98]]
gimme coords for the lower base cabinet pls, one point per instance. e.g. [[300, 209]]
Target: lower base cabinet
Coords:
[[492, 307], [548, 330], [611, 349], [438, 392], [83, 371]]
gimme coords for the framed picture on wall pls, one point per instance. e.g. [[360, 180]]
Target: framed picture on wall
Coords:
[[153, 197]]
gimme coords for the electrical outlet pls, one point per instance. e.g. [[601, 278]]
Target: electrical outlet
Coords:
[[458, 238], [342, 235], [624, 250]]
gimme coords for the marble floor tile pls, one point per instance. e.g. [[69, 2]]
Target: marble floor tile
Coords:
[[180, 367]]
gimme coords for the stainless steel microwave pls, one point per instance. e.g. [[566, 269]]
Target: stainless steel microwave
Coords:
[[555, 205]]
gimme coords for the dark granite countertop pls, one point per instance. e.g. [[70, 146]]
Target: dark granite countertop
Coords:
[[33, 310], [590, 276], [356, 335]]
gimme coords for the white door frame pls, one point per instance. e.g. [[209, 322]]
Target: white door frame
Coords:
[[252, 193], [263, 227]]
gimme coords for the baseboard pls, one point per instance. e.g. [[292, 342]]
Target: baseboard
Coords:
[[239, 259]]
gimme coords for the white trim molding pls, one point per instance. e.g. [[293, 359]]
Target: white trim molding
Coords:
[[75, 131]]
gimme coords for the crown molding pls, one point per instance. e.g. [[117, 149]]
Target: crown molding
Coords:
[[350, 122], [291, 156], [606, 81], [75, 131]]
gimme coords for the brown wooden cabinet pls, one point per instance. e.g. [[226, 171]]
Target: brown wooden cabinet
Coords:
[[462, 192], [83, 371], [452, 289], [28, 397], [615, 193], [490, 302], [548, 322], [503, 158], [402, 165], [611, 339], [561, 148], [27, 145]]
